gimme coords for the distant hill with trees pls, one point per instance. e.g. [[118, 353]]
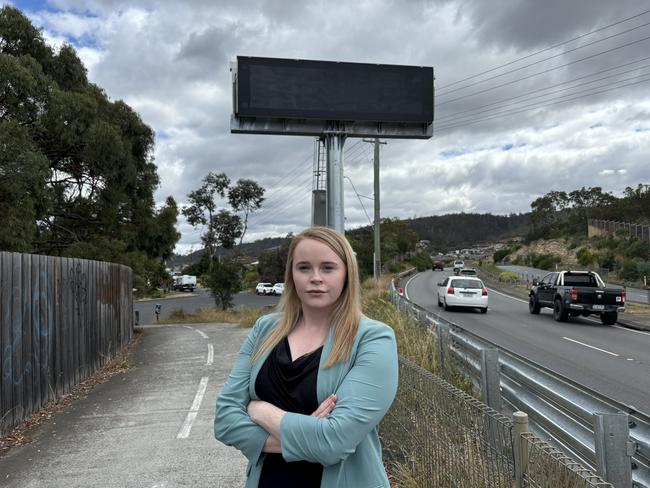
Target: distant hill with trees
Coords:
[[454, 231], [564, 215]]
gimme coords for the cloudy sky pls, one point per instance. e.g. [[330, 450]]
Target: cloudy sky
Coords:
[[531, 96]]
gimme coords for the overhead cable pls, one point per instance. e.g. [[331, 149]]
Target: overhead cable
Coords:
[[545, 50]]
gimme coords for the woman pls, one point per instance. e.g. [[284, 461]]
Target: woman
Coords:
[[312, 382]]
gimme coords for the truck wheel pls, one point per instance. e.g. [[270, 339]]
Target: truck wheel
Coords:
[[609, 318], [560, 314], [533, 305]]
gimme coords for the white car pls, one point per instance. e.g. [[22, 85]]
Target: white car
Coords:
[[463, 291], [467, 272], [458, 265], [277, 289], [264, 288]]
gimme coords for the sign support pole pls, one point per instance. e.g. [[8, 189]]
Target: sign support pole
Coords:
[[334, 142]]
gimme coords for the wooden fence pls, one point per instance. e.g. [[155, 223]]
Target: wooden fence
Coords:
[[60, 320], [597, 227]]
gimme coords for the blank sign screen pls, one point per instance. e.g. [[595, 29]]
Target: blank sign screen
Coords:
[[287, 88]]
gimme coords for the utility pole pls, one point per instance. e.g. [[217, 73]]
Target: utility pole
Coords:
[[377, 254]]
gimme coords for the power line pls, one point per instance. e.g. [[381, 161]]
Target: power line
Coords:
[[290, 204], [362, 206], [544, 50], [282, 201], [291, 172], [544, 71], [535, 106], [510, 101]]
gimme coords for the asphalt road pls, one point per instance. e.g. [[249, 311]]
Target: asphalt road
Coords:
[[636, 295], [151, 427], [612, 360], [201, 298]]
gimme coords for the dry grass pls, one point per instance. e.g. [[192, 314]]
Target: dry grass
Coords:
[[241, 317], [413, 341], [634, 308]]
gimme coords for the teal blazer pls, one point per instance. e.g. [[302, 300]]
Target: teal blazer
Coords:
[[346, 443]]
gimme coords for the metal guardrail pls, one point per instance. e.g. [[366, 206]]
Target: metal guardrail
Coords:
[[606, 435]]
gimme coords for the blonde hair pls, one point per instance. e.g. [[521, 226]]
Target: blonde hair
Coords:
[[347, 310]]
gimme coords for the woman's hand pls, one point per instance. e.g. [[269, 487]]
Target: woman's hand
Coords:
[[266, 415], [325, 408]]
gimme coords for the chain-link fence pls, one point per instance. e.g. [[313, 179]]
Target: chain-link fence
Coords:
[[549, 468], [437, 436]]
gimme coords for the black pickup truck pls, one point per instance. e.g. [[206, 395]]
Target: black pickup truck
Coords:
[[575, 293]]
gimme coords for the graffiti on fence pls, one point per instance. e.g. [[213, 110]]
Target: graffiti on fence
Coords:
[[78, 283]]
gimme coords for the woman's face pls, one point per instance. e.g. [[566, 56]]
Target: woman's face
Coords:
[[318, 274]]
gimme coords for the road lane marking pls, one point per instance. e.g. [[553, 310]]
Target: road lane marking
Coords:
[[406, 286], [632, 330], [592, 347], [210, 355], [194, 410], [492, 290], [202, 334]]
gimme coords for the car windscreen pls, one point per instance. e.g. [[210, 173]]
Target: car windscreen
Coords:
[[471, 284]]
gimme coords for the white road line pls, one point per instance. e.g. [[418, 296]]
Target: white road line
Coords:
[[194, 410], [632, 330], [210, 355], [406, 286], [202, 334], [591, 347], [492, 290]]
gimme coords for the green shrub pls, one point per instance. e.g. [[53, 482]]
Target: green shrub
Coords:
[[509, 277], [607, 260], [500, 254], [586, 257], [643, 268], [544, 261], [575, 242], [421, 261], [637, 249]]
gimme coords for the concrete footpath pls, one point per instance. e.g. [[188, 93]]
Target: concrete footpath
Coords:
[[151, 427]]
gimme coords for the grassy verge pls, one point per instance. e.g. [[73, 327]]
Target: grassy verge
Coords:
[[634, 308], [241, 317], [413, 342]]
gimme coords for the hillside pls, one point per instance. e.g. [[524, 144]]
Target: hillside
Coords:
[[248, 249], [454, 231], [444, 232]]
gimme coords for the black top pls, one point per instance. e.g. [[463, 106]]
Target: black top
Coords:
[[290, 386]]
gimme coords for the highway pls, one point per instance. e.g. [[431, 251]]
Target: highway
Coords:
[[612, 360], [636, 295]]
